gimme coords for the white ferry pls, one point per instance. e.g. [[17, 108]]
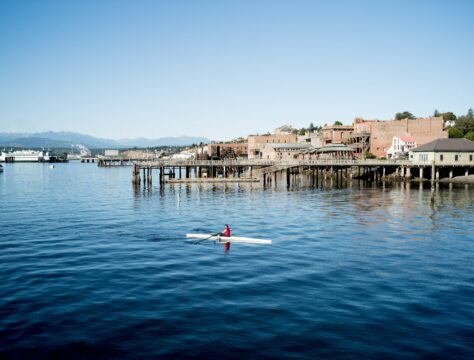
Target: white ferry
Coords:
[[25, 156]]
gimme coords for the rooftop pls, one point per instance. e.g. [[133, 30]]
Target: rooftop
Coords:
[[291, 146], [335, 147], [407, 138], [448, 145]]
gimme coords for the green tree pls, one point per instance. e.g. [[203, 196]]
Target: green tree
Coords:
[[455, 133], [448, 116], [436, 113], [311, 127], [302, 131], [404, 115], [369, 155], [338, 123], [470, 135], [465, 123]]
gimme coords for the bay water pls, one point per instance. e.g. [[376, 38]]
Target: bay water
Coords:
[[91, 267]]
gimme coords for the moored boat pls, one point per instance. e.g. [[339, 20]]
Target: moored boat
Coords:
[[25, 156]]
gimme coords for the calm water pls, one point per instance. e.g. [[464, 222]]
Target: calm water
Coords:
[[91, 268]]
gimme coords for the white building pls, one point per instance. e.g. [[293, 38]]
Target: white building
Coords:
[[444, 151], [284, 151], [183, 156], [401, 146], [111, 153], [284, 130]]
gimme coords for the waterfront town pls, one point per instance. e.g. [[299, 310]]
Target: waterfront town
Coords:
[[395, 139], [406, 147], [398, 139]]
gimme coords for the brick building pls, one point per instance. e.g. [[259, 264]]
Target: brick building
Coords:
[[382, 133], [256, 143], [227, 150], [337, 134]]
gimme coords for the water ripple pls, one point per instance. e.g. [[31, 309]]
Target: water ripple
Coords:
[[91, 268]]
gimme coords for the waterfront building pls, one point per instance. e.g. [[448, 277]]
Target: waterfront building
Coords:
[[111, 152], [142, 154], [257, 143], [226, 150], [330, 152], [401, 146], [360, 138], [335, 152], [381, 133], [289, 151], [71, 156], [313, 138], [183, 156], [444, 151], [336, 134]]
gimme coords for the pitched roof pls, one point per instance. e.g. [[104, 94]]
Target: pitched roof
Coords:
[[447, 145], [335, 147], [291, 146], [407, 138]]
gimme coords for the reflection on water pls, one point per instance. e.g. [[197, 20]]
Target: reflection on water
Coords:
[[93, 268]]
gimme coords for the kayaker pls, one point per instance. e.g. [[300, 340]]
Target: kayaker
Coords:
[[226, 231]]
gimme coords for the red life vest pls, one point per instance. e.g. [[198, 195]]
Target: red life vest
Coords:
[[226, 231]]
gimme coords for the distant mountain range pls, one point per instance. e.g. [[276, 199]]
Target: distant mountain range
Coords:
[[65, 139]]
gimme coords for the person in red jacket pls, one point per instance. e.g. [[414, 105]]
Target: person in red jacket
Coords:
[[226, 231]]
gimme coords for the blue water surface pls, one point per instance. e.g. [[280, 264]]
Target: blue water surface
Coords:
[[92, 268]]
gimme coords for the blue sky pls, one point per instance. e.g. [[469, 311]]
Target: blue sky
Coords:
[[228, 68]]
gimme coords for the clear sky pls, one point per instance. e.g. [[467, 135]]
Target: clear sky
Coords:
[[228, 68]]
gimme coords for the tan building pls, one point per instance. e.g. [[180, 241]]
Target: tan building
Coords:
[[423, 130], [314, 138], [284, 130], [284, 151], [226, 150], [330, 152], [444, 151], [381, 133], [256, 143], [337, 134]]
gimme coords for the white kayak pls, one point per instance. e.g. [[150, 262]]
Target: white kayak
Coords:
[[230, 239]]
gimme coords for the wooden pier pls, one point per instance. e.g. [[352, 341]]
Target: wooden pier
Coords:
[[269, 172]]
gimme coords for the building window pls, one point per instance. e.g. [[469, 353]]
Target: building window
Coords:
[[470, 157], [456, 157], [423, 157], [441, 157]]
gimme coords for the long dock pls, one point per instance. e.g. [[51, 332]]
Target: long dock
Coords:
[[271, 171]]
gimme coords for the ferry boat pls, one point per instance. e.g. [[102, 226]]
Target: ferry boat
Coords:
[[25, 156]]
